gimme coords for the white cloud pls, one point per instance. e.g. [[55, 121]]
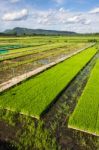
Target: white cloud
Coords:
[[59, 17], [78, 19], [15, 16], [87, 22], [55, 19], [61, 9], [73, 19], [94, 11]]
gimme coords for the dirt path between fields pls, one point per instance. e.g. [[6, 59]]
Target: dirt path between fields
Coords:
[[6, 85]]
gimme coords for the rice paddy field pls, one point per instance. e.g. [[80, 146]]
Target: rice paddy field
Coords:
[[21, 55], [86, 114], [57, 108]]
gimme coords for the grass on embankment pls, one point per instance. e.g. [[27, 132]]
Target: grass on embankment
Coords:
[[36, 94], [86, 114]]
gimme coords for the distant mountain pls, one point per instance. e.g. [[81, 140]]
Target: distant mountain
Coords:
[[25, 31]]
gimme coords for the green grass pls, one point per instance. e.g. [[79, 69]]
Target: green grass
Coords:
[[34, 95], [86, 114]]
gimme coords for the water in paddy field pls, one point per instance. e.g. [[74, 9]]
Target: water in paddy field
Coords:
[[3, 51]]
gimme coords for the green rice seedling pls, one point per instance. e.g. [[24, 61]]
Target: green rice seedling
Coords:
[[35, 95], [86, 114]]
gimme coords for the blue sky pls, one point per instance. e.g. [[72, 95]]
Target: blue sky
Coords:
[[70, 15], [77, 5]]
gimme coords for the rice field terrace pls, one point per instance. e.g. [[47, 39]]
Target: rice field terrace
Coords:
[[57, 108]]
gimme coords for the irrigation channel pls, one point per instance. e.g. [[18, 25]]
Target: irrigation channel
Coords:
[[56, 118]]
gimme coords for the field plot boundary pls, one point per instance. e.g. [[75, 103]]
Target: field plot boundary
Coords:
[[72, 127], [21, 113], [87, 100], [14, 81]]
